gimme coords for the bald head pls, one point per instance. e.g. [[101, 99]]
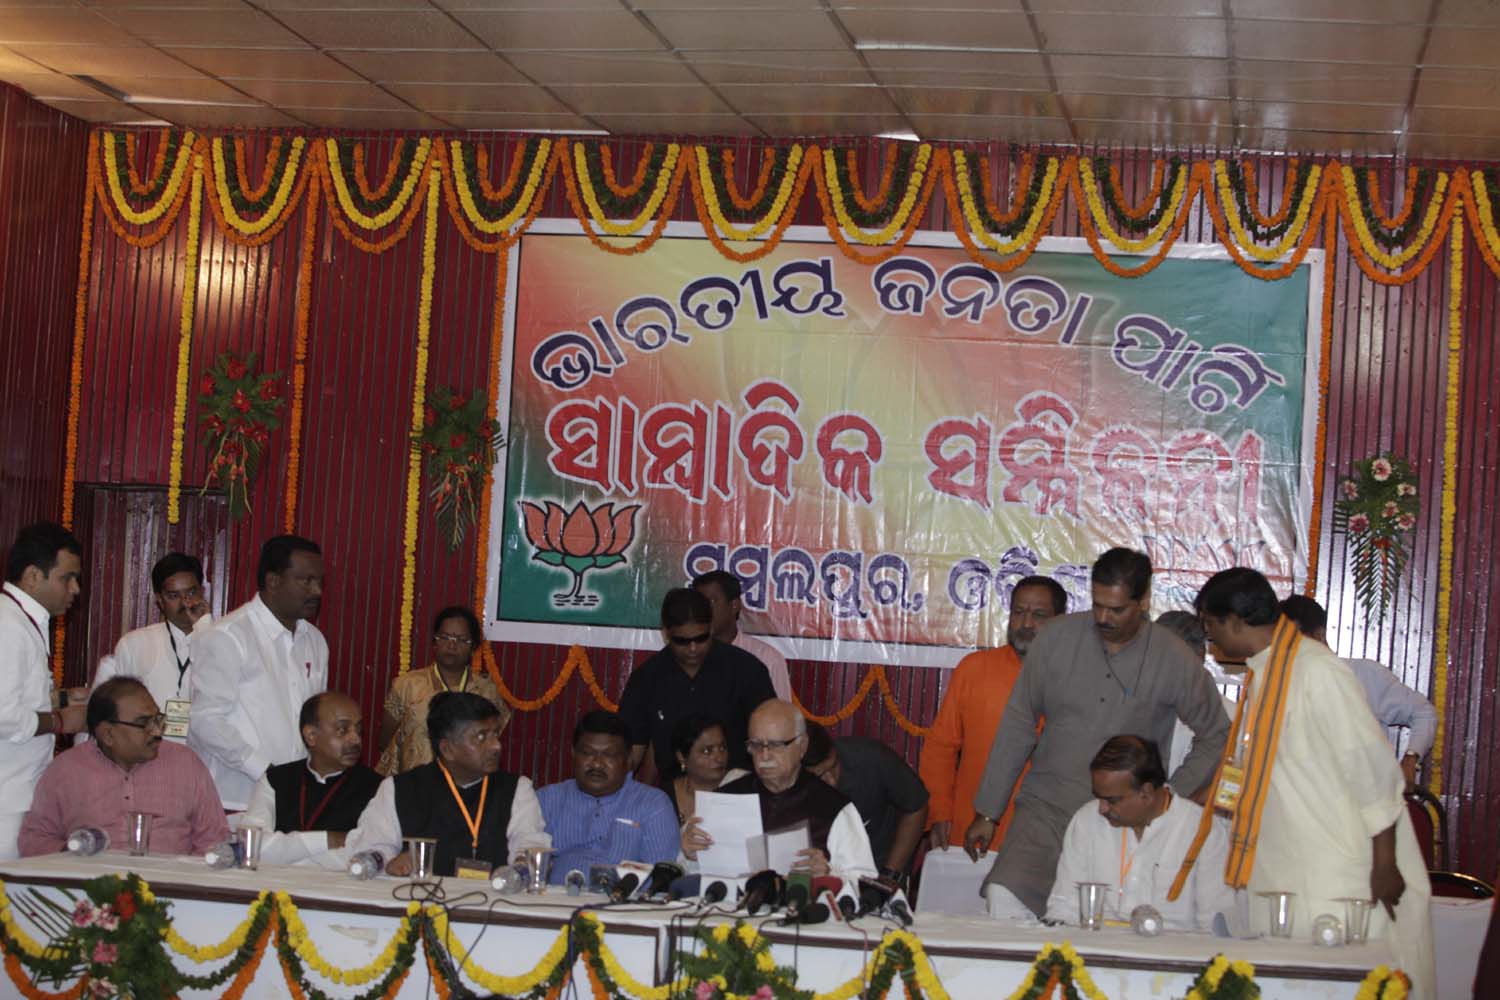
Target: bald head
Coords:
[[332, 725], [778, 740]]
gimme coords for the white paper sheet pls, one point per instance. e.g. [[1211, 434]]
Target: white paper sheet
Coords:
[[730, 820], [782, 847]]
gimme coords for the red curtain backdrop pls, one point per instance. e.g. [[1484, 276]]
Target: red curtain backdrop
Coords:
[[1386, 393]]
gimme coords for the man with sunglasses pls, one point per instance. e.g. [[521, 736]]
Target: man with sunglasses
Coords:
[[125, 767], [161, 655], [694, 674]]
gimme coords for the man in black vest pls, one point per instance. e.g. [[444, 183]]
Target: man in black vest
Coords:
[[789, 796], [313, 803], [480, 816]]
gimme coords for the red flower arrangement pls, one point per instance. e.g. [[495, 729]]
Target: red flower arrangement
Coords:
[[458, 443], [238, 408]]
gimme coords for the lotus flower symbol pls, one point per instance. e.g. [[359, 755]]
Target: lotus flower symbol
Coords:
[[579, 540]]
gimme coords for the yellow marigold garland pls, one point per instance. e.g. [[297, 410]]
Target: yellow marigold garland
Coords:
[[463, 189], [979, 231], [1080, 975], [185, 158], [1100, 212], [1217, 970], [1394, 983], [231, 944], [308, 952], [25, 942], [585, 183], [903, 213], [418, 404], [505, 985], [226, 210], [370, 223], [1356, 218], [185, 341], [1481, 212], [704, 183], [1306, 201], [1449, 508]]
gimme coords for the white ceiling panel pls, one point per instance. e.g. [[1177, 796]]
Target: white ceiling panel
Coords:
[[1308, 75]]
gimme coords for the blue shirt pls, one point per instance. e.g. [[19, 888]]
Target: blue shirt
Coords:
[[634, 823]]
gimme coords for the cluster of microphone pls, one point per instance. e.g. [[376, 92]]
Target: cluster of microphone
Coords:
[[802, 899]]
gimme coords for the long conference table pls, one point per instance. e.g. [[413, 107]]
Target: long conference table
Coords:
[[350, 922]]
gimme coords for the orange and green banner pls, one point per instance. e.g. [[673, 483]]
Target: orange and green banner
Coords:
[[880, 453]]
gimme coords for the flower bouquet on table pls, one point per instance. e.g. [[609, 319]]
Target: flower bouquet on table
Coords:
[[736, 961], [238, 408], [1376, 509], [458, 443], [111, 938]]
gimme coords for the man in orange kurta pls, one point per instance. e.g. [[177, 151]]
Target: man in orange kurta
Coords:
[[956, 751]]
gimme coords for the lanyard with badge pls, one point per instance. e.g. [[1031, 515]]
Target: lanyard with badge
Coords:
[[304, 821], [179, 709], [473, 866]]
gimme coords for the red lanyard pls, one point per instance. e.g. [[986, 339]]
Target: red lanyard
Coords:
[[29, 620], [305, 821]]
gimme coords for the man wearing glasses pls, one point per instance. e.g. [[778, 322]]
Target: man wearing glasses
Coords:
[[125, 767], [161, 655], [791, 796], [693, 675]]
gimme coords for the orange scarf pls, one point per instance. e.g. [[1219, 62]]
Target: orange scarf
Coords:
[[1265, 733]]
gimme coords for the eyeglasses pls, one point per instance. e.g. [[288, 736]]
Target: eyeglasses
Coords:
[[453, 640], [761, 746], [690, 640], [191, 594], [157, 721]]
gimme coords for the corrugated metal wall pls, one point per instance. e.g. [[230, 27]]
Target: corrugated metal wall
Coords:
[[41, 204], [1387, 392]]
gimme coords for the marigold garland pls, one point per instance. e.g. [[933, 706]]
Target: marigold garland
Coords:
[[1246, 189], [403, 199], [882, 194], [200, 954], [1294, 232], [307, 952], [1049, 188], [1170, 225], [1408, 200], [274, 213], [704, 192], [1059, 965], [788, 211], [770, 157], [666, 178], [257, 191], [576, 202], [1451, 399], [1320, 442], [171, 198], [1437, 206], [916, 189], [1228, 239], [419, 400], [607, 171], [1152, 206], [461, 189], [1383, 983], [482, 170], [185, 342], [362, 175], [495, 983], [496, 356], [299, 357], [159, 206], [142, 187], [1022, 183]]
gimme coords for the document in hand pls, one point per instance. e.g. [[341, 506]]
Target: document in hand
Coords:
[[732, 822]]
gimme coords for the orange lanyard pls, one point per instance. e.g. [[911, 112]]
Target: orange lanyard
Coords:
[[471, 820], [463, 682]]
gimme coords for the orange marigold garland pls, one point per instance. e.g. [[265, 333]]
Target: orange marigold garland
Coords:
[[768, 157], [482, 171], [882, 193], [938, 165], [1372, 184], [1022, 188], [496, 356], [394, 235], [362, 176], [772, 239], [1160, 170], [1327, 189], [607, 170], [1043, 224], [1431, 237], [299, 356], [1320, 435], [255, 192], [1289, 188], [152, 237], [664, 212], [1197, 181], [141, 185]]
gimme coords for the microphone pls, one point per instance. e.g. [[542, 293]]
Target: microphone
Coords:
[[684, 886], [796, 900], [663, 874], [715, 892], [826, 890], [816, 913], [763, 889], [872, 895], [624, 888], [898, 907]]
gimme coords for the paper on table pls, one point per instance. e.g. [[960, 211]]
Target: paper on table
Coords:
[[730, 820]]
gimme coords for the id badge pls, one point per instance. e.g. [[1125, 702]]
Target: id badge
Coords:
[[472, 868], [177, 711], [1231, 783]]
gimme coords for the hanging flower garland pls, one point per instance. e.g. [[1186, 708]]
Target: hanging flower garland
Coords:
[[418, 415], [1384, 984], [577, 659], [1023, 179], [603, 209], [584, 213], [299, 356], [781, 211], [162, 192], [295, 949], [607, 170], [1057, 967], [491, 413], [1291, 233], [1233, 240], [371, 215], [495, 216], [1449, 502], [706, 185], [238, 408], [910, 179], [1049, 188], [771, 157], [1094, 211], [1157, 203], [1481, 211], [231, 205], [1244, 193], [118, 211], [1225, 980], [542, 975], [1169, 219], [1364, 244], [143, 187], [185, 343], [1423, 184], [1325, 362]]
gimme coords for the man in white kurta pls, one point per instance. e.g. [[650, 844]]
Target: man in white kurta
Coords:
[[1133, 837], [255, 667], [160, 656], [1335, 791]]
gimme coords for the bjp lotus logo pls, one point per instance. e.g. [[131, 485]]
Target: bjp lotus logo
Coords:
[[578, 541]]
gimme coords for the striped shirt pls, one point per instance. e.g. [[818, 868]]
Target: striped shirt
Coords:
[[634, 823]]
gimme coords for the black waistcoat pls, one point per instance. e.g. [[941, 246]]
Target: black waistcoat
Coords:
[[298, 794], [426, 808]]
